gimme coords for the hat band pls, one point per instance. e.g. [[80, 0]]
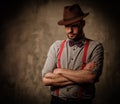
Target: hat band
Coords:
[[67, 19]]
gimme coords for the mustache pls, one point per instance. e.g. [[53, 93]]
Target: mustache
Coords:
[[71, 33]]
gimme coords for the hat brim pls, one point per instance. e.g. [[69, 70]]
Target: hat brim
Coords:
[[71, 21]]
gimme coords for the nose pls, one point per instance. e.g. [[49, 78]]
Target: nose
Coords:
[[70, 29]]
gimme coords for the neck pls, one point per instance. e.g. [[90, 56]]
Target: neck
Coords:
[[79, 37]]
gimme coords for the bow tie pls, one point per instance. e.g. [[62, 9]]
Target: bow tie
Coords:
[[78, 43]]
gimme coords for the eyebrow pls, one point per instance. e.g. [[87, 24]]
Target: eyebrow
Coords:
[[74, 25]]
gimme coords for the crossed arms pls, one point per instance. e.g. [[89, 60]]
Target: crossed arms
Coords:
[[62, 77]]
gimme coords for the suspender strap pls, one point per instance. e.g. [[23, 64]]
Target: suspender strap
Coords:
[[84, 62], [59, 57], [85, 54], [60, 53]]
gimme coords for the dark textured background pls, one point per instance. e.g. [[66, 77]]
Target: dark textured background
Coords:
[[29, 27]]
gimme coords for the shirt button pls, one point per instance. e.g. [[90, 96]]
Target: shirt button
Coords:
[[74, 49], [71, 58]]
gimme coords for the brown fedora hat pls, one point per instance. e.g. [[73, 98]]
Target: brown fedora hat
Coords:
[[72, 14]]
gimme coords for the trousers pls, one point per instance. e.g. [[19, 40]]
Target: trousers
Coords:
[[57, 100]]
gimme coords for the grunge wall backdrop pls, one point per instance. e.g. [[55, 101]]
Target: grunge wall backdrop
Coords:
[[29, 27]]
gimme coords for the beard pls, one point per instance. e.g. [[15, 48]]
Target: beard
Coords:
[[75, 37], [72, 36]]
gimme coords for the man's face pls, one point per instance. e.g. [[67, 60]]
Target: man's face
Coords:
[[73, 31]]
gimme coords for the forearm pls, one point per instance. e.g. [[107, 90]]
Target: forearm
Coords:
[[51, 79], [51, 82], [79, 76]]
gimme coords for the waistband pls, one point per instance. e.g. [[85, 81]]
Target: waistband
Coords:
[[71, 99]]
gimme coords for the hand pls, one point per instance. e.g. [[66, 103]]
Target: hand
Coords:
[[90, 66], [57, 71]]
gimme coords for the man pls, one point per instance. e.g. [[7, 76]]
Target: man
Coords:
[[73, 65]]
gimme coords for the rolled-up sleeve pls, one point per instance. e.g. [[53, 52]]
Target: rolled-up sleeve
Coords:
[[98, 57], [50, 62]]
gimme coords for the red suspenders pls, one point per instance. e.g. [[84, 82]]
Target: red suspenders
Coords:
[[59, 57], [83, 59], [85, 54], [60, 53], [84, 62]]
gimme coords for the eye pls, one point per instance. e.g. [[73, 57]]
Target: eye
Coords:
[[67, 26], [76, 25]]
